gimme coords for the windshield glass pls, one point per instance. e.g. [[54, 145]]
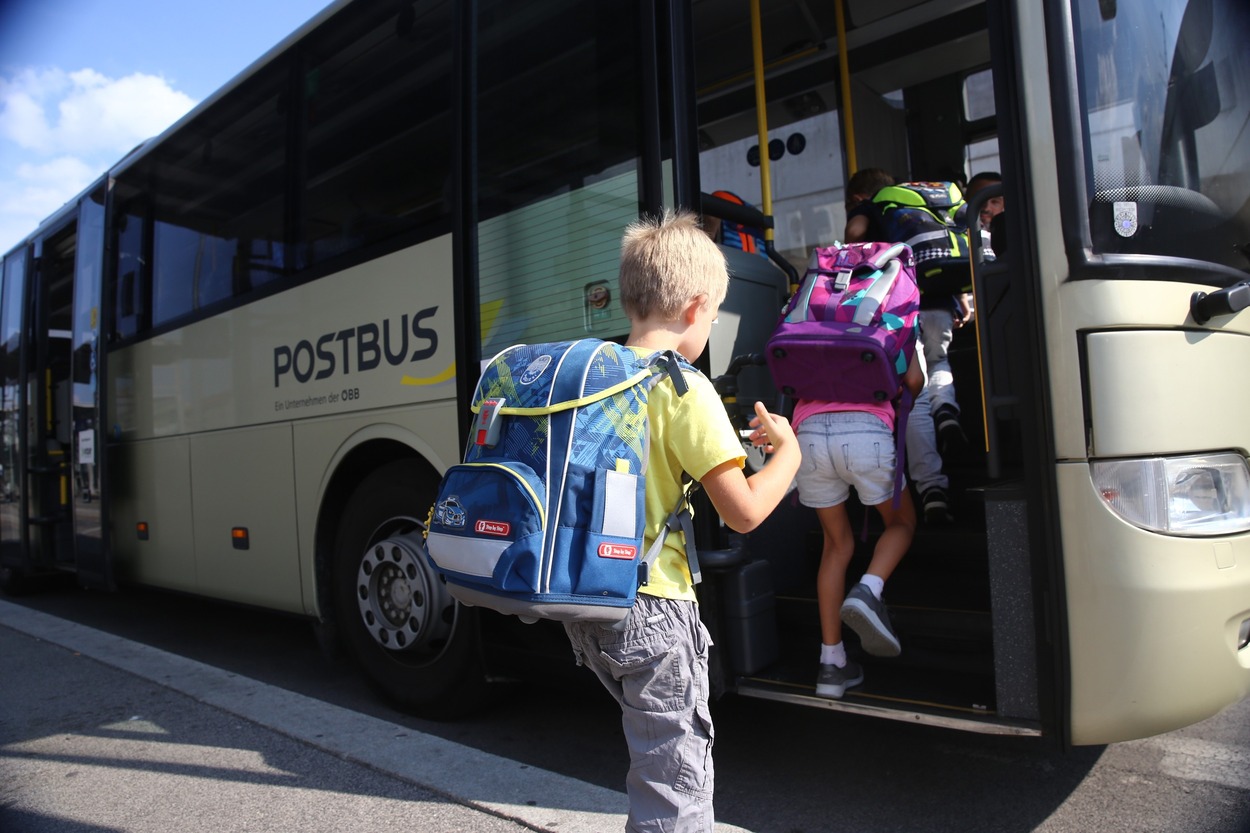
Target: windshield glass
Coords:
[[1165, 97]]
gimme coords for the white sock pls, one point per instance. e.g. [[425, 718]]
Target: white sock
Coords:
[[874, 583], [833, 654]]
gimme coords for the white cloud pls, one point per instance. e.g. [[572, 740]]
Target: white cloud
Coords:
[[35, 191], [60, 130], [84, 112], [55, 177], [116, 114]]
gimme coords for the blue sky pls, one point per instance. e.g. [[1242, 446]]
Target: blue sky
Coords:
[[82, 82]]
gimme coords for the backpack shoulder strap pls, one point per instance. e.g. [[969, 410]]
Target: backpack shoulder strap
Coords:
[[670, 363], [876, 294], [680, 518]]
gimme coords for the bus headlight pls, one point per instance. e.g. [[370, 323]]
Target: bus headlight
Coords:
[[1203, 494]]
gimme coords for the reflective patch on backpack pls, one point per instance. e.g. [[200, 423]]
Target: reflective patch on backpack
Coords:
[[535, 370]]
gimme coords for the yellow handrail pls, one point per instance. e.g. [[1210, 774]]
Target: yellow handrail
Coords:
[[761, 116], [848, 119]]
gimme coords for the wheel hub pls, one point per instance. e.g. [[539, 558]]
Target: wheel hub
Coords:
[[400, 598]]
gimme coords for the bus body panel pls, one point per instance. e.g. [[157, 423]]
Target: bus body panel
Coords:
[[150, 483], [431, 430], [257, 465], [345, 342], [1148, 623], [1154, 620], [1133, 595], [1157, 392], [210, 387]]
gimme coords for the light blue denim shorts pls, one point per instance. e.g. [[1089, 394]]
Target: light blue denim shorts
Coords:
[[841, 450]]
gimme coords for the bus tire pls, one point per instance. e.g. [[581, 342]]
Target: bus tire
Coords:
[[13, 581], [418, 646]]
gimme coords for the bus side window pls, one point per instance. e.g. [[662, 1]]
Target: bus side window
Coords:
[[131, 296]]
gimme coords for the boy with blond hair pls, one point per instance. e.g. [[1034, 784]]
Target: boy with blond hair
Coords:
[[673, 280]]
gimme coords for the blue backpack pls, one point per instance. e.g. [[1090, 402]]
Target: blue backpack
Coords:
[[545, 516]]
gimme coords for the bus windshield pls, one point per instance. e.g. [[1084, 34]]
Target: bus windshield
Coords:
[[1165, 109]]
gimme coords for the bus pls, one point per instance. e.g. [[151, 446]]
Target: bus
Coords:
[[236, 365]]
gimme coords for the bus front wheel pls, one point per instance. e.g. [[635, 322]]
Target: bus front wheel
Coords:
[[12, 581], [417, 645]]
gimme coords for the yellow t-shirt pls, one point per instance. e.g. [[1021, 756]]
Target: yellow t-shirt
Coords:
[[691, 434]]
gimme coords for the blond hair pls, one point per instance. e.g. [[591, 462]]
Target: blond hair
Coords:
[[665, 262]]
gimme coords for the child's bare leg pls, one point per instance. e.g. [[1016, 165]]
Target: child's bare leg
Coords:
[[900, 529], [835, 556]]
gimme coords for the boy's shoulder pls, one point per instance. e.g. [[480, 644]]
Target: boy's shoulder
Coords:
[[697, 416]]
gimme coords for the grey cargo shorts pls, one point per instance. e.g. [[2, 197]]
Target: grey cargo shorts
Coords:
[[656, 666]]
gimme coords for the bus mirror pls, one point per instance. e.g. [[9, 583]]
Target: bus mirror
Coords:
[[1203, 307]]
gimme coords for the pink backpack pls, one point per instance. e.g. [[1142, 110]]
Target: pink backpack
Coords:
[[849, 333]]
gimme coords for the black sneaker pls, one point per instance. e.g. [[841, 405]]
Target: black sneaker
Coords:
[[865, 614], [937, 511], [950, 434], [833, 681]]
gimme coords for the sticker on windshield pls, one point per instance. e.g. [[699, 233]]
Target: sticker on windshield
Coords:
[[1125, 214]]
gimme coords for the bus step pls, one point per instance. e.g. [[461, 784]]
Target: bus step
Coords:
[[970, 717], [959, 633]]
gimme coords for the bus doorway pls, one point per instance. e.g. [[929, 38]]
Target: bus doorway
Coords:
[[52, 404], [48, 426]]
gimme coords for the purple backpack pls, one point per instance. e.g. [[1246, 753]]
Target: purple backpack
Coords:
[[849, 333]]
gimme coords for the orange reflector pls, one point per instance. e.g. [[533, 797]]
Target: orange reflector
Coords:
[[238, 536], [141, 529]]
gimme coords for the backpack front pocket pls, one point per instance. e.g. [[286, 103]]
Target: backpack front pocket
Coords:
[[488, 524]]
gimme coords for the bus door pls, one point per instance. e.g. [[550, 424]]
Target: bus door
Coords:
[[63, 512], [86, 407], [47, 386], [12, 504]]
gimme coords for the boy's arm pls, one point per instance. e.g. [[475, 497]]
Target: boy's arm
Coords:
[[744, 502], [856, 229], [914, 377]]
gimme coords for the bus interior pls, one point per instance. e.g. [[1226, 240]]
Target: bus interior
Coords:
[[964, 599]]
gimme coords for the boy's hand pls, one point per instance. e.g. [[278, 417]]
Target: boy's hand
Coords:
[[772, 432], [965, 310]]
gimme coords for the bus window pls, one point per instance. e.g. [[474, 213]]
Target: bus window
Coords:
[[1166, 106], [378, 129], [980, 154], [558, 168], [131, 280], [979, 96], [175, 253], [217, 202]]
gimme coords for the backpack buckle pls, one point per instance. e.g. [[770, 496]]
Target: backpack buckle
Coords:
[[486, 429]]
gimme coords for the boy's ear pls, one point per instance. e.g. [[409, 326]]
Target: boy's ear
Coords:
[[693, 306]]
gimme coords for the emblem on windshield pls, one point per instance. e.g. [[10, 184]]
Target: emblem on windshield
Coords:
[[1125, 218]]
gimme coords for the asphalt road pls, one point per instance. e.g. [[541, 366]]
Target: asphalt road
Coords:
[[780, 768]]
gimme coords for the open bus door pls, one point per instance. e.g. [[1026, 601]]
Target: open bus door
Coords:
[[86, 406], [50, 323], [13, 548]]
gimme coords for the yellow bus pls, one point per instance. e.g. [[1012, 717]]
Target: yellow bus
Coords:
[[236, 365]]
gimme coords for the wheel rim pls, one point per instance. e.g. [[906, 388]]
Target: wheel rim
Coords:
[[403, 604]]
